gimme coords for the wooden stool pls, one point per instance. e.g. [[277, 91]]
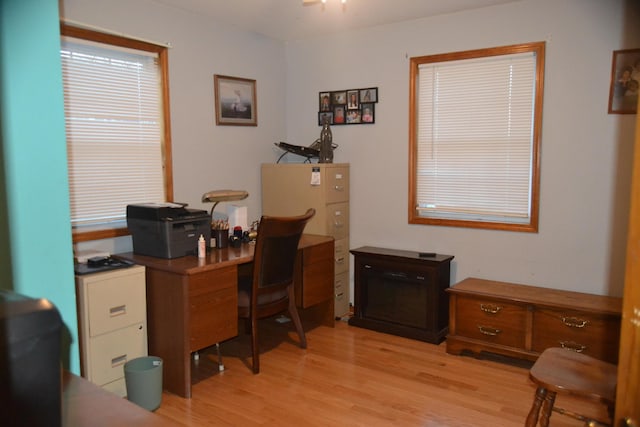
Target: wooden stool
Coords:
[[558, 370]]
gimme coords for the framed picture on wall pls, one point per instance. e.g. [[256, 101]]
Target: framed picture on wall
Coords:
[[369, 95], [625, 82], [325, 117], [325, 101], [353, 102], [235, 99]]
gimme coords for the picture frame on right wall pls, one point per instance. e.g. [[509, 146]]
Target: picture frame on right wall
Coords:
[[625, 82]]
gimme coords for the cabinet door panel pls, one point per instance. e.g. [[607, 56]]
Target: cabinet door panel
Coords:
[[595, 335], [492, 321]]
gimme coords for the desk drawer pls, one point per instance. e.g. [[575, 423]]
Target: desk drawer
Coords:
[[116, 301], [491, 321], [109, 352], [213, 302], [592, 334]]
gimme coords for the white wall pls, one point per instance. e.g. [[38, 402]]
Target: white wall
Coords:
[[205, 156], [585, 152]]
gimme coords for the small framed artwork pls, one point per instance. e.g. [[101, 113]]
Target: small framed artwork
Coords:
[[325, 117], [235, 99], [325, 101], [354, 116], [352, 100], [368, 113], [338, 115], [339, 97], [369, 95], [625, 82]]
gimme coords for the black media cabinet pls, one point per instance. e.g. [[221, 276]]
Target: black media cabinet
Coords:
[[401, 293]]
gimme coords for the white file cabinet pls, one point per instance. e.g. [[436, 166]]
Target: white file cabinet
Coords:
[[112, 319]]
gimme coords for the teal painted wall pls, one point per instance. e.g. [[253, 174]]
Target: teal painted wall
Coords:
[[35, 221]]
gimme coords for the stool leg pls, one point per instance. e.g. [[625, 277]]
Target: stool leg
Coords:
[[532, 418], [547, 407]]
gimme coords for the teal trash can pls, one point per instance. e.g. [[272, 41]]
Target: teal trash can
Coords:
[[143, 378]]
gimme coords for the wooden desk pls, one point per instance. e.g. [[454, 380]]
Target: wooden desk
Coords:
[[193, 303], [85, 404]]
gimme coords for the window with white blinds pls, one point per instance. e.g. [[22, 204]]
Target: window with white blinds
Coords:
[[474, 140], [115, 128]]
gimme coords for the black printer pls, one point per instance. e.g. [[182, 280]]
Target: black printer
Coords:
[[167, 230]]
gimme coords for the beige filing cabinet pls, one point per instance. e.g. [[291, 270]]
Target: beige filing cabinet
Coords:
[[292, 188], [112, 319]]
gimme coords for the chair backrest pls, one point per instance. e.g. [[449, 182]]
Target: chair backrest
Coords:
[[276, 249]]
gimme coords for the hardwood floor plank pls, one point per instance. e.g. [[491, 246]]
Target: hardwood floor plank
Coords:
[[356, 377]]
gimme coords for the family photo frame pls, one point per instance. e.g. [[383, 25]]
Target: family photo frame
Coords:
[[347, 107], [235, 101], [625, 82]]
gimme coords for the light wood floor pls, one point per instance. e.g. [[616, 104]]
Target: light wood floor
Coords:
[[350, 376]]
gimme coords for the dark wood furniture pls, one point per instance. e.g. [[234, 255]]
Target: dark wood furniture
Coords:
[[522, 321], [268, 290], [561, 371], [85, 404], [401, 293], [192, 303]]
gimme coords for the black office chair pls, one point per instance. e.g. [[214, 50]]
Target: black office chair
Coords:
[[269, 289]]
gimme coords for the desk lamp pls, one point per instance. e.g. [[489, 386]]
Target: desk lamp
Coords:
[[218, 196]]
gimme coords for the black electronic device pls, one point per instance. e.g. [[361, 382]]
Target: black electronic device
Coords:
[[427, 254], [30, 348]]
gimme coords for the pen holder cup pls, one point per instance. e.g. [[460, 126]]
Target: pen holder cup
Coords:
[[222, 238]]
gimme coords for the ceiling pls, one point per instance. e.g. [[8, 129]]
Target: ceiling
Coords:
[[289, 20]]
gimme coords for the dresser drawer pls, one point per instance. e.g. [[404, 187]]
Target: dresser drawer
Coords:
[[116, 301], [109, 352], [491, 320], [338, 220], [337, 184], [592, 334]]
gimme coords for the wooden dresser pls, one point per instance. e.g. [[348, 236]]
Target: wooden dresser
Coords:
[[521, 321]]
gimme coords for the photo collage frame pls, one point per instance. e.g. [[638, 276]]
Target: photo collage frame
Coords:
[[348, 107]]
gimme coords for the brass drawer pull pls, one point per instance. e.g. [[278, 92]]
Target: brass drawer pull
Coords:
[[490, 308], [574, 322], [573, 346], [485, 330]]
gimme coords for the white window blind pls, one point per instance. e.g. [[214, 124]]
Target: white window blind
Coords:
[[475, 121], [114, 125]]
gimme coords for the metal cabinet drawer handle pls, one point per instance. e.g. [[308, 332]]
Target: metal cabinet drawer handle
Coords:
[[117, 361], [490, 308], [574, 322], [485, 330], [118, 311], [338, 188], [573, 346]]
